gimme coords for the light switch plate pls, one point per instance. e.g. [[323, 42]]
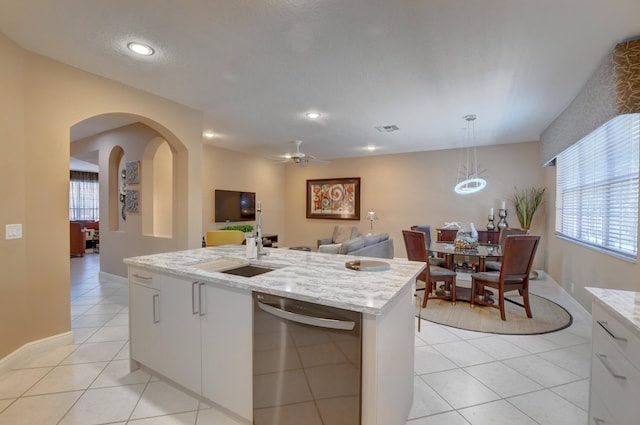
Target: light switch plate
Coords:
[[13, 231]]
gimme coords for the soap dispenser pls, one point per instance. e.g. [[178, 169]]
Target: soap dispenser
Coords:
[[252, 248]]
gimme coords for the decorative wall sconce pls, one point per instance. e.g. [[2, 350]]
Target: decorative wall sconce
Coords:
[[123, 193]]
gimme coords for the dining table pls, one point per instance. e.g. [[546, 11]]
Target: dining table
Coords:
[[449, 251]]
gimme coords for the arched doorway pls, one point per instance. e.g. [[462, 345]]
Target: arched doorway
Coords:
[[142, 213]]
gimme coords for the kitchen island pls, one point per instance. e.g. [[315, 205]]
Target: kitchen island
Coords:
[[192, 323]]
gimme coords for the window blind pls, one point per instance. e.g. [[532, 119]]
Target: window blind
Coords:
[[84, 196], [597, 188]]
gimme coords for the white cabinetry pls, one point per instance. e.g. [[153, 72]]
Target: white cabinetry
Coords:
[[615, 371], [144, 319], [198, 335], [227, 341], [181, 352]]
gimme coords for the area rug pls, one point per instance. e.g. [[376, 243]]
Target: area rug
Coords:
[[547, 316]]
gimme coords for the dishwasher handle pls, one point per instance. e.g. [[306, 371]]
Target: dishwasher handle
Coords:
[[307, 320]]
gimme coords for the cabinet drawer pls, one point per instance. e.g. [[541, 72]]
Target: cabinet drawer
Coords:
[[144, 278], [598, 412], [615, 380], [615, 333]]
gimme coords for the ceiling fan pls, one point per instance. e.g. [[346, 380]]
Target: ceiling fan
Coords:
[[301, 158]]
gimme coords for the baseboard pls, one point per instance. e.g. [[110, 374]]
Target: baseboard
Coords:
[[103, 277], [34, 347]]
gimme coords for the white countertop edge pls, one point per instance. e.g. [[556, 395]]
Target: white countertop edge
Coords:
[[179, 265], [623, 305]]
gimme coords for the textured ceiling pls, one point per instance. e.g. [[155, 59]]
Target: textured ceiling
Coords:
[[255, 67]]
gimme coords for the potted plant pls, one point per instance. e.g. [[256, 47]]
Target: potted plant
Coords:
[[526, 203]]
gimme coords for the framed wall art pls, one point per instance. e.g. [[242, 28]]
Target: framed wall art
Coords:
[[336, 199], [133, 172], [132, 201]]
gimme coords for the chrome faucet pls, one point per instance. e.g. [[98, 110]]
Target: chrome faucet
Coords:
[[261, 250]]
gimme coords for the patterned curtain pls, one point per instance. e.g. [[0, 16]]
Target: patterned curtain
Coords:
[[84, 196]]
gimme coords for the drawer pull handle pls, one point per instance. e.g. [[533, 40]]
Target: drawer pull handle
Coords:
[[155, 300], [194, 309], [605, 363], [200, 302], [142, 277], [598, 421], [604, 325]]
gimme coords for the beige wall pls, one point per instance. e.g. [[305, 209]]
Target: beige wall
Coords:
[[568, 262], [15, 286], [417, 188], [227, 170], [41, 99], [129, 240]]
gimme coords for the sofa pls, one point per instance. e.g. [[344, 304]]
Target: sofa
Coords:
[[380, 246]]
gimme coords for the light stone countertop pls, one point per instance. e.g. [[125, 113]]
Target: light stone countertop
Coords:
[[624, 305], [308, 276]]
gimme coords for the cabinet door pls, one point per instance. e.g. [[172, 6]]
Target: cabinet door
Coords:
[[144, 326], [227, 344], [180, 308]]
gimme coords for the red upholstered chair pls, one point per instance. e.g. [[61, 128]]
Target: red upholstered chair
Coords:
[[77, 239], [414, 242], [519, 251]]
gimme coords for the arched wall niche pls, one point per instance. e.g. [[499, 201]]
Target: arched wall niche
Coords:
[[177, 223], [157, 169], [115, 158], [161, 223]]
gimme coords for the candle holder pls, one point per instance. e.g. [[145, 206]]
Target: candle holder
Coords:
[[491, 225], [502, 213]]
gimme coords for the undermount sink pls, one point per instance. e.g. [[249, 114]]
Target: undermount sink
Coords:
[[248, 271], [234, 266], [220, 264]]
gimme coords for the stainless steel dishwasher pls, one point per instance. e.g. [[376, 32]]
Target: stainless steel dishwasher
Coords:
[[306, 363]]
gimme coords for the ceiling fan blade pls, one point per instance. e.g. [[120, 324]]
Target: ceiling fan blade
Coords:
[[319, 161]]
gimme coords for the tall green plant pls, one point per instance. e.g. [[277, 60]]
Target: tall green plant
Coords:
[[526, 202]]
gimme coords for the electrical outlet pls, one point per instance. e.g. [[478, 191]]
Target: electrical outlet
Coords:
[[573, 287], [13, 231]]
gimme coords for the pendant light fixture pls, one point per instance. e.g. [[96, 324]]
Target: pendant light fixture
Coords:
[[468, 181]]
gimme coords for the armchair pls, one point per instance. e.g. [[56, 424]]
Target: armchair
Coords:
[[340, 234], [224, 237]]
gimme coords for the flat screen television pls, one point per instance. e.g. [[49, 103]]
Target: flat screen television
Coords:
[[231, 205]]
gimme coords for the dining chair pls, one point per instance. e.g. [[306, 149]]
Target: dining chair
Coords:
[[518, 254], [415, 245], [495, 265], [426, 229]]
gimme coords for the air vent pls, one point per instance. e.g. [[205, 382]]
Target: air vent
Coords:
[[387, 128]]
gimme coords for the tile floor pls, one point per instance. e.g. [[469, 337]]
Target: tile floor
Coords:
[[461, 377]]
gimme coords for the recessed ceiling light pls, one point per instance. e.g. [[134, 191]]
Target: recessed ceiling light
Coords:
[[140, 49], [313, 115], [371, 148], [208, 134]]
